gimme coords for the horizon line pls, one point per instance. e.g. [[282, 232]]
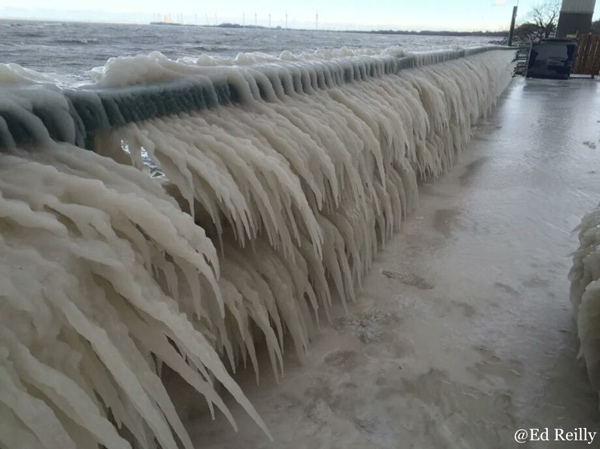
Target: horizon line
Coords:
[[276, 28]]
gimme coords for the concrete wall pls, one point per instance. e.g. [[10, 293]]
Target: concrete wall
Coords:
[[573, 22], [578, 6], [575, 17]]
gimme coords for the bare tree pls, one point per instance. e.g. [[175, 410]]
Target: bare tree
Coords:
[[527, 32], [545, 17]]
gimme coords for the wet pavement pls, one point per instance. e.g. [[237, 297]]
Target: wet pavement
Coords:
[[463, 333]]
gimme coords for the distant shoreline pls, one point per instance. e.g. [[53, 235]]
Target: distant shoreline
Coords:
[[399, 32], [278, 28]]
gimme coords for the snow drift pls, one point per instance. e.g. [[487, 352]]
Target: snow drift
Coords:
[[585, 293], [258, 215]]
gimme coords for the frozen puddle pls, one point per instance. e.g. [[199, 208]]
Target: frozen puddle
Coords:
[[463, 332]]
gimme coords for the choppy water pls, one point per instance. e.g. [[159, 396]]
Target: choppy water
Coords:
[[73, 48]]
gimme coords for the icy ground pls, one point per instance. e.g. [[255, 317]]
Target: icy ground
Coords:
[[463, 332]]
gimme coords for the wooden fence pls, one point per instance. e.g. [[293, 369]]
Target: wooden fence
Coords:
[[587, 60]]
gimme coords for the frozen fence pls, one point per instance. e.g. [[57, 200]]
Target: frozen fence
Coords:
[[585, 293], [276, 182]]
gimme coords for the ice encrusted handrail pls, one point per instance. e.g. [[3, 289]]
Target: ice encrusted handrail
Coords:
[[268, 214], [585, 293], [35, 113]]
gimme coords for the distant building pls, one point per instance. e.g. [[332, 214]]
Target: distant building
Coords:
[[575, 17]]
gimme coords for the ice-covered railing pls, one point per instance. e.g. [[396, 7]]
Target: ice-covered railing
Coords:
[[264, 212], [585, 293], [138, 88]]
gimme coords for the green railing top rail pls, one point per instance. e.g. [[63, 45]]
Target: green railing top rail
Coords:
[[37, 112]]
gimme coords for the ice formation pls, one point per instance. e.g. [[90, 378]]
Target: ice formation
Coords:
[[585, 293], [265, 210]]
